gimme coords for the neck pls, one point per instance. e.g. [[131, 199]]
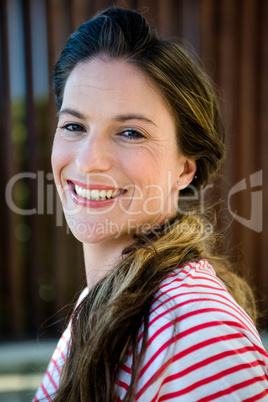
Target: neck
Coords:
[[102, 257]]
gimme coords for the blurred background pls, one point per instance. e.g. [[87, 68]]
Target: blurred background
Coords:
[[41, 268]]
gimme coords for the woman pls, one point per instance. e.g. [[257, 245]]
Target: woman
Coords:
[[163, 317]]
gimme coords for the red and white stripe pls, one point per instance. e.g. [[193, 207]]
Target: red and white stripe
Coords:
[[201, 346]]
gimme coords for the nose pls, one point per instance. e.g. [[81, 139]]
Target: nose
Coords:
[[94, 154]]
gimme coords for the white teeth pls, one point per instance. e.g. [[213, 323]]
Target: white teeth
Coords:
[[109, 193], [102, 193], [86, 193], [96, 194]]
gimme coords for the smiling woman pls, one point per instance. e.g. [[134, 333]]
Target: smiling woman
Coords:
[[163, 316]]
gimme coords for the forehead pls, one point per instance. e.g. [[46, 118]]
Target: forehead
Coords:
[[105, 74], [115, 81]]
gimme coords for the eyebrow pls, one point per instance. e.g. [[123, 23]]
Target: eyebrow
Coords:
[[71, 112], [120, 118], [125, 117]]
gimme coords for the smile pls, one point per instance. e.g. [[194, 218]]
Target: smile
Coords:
[[95, 194]]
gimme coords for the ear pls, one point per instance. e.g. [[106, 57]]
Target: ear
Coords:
[[187, 175]]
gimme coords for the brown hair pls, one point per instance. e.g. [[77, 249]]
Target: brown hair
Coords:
[[106, 324]]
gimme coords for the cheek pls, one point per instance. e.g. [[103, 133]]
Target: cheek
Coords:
[[55, 162], [60, 158], [142, 166], [153, 178]]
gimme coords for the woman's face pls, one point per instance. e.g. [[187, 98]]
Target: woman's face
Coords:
[[115, 159]]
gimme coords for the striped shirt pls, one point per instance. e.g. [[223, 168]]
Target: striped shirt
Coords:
[[201, 346]]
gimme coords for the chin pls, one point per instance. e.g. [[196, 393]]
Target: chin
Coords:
[[90, 232]]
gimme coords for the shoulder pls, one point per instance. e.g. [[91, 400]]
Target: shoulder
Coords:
[[194, 290], [200, 341], [198, 304]]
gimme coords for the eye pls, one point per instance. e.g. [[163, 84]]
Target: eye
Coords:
[[74, 127], [132, 134]]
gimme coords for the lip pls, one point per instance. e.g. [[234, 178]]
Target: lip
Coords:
[[93, 186], [77, 199]]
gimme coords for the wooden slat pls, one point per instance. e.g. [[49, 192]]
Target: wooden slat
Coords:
[[190, 26], [248, 152], [5, 165], [80, 12], [262, 271], [229, 49], [30, 269], [16, 248], [170, 18], [126, 3], [100, 5]]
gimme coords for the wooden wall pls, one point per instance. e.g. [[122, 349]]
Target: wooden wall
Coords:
[[41, 264]]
